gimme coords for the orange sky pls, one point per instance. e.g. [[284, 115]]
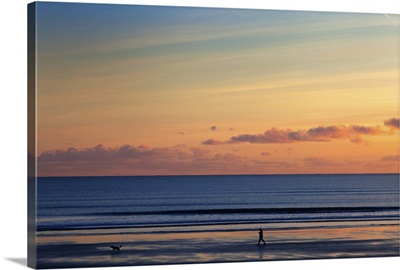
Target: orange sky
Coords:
[[163, 90]]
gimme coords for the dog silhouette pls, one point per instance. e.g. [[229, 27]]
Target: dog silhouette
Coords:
[[116, 249]]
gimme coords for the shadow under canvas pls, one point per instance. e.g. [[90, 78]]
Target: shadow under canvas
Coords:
[[20, 261]]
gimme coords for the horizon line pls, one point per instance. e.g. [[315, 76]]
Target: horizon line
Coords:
[[189, 175]]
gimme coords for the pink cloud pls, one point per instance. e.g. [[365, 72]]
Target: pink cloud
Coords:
[[354, 133], [393, 123], [102, 152], [137, 160], [186, 160]]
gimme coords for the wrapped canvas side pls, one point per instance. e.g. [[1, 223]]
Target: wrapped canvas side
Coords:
[[32, 135]]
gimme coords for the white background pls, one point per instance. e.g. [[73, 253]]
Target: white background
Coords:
[[13, 139]]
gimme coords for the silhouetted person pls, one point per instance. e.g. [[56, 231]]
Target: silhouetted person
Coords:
[[260, 236]]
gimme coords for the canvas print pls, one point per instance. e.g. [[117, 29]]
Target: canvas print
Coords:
[[174, 135]]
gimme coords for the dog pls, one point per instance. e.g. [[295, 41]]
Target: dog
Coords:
[[116, 249]]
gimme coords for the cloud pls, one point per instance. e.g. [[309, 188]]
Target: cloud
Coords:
[[186, 160], [318, 134], [212, 142], [390, 158], [102, 152], [320, 162], [213, 128], [227, 157], [201, 154], [393, 123], [138, 160]]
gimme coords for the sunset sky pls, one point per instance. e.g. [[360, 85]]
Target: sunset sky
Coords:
[[135, 90]]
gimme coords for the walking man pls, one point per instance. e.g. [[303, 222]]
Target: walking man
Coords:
[[261, 237]]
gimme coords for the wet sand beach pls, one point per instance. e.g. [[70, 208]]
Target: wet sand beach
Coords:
[[91, 248], [205, 219]]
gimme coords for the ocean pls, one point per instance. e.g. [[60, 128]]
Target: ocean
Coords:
[[138, 207]]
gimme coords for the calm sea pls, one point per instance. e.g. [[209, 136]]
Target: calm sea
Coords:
[[215, 202]]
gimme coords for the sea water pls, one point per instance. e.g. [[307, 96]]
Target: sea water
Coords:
[[196, 203]]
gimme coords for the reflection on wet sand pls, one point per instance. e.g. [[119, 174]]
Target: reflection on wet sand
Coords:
[[198, 247]]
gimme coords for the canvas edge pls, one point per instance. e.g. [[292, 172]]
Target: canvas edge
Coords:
[[32, 172], [32, 121]]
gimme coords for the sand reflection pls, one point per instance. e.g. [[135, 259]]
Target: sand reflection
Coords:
[[167, 248]]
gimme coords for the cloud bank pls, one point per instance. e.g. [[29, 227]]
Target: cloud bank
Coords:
[[354, 133], [184, 159], [102, 152], [319, 134], [136, 160]]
